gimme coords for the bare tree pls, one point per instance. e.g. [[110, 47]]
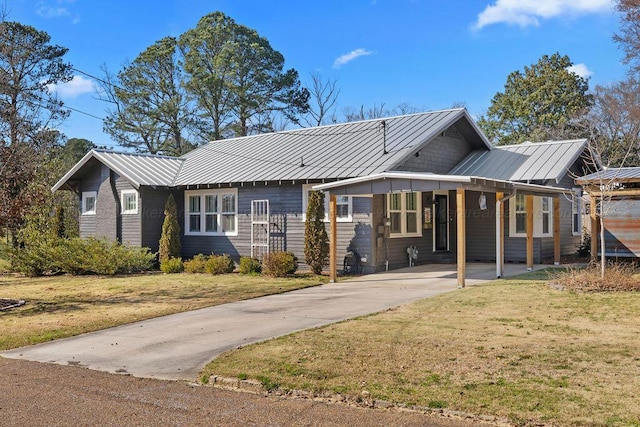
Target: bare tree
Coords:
[[629, 36], [613, 125], [324, 95]]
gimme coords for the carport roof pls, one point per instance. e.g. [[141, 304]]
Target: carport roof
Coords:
[[390, 182], [630, 174]]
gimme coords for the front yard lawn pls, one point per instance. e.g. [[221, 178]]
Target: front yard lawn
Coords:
[[517, 349], [62, 306]]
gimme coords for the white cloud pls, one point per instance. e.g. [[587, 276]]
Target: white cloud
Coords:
[[529, 12], [348, 57], [581, 70], [52, 12], [76, 87]]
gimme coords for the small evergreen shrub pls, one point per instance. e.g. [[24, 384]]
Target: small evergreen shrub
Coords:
[[172, 265], [249, 265], [169, 245], [279, 264], [196, 264], [80, 256], [316, 241], [219, 264]]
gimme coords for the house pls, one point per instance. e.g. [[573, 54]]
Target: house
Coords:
[[396, 183], [615, 195]]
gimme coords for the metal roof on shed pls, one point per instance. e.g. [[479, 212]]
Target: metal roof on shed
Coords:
[[630, 174], [139, 169], [327, 152], [523, 162]]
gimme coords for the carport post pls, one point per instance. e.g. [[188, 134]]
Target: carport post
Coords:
[[462, 236], [529, 210], [499, 234], [333, 238], [595, 230], [556, 230]]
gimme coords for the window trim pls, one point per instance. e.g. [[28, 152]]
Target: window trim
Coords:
[[576, 212], [201, 194], [85, 196], [538, 218], [306, 188], [123, 209], [403, 214]]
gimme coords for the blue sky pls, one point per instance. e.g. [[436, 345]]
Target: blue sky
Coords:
[[426, 53]]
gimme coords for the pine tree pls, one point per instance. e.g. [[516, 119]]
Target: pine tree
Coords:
[[316, 241], [170, 239]]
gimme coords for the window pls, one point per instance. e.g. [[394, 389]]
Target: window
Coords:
[[521, 214], [576, 217], [344, 205], [403, 211], [546, 215], [88, 203], [211, 212], [129, 201], [542, 216]]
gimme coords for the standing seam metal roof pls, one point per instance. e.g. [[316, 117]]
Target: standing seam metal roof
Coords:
[[524, 162], [629, 174], [327, 152]]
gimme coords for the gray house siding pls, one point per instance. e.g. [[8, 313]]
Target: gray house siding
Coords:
[[481, 228], [129, 225], [286, 228], [440, 155], [152, 202], [91, 182], [394, 249]]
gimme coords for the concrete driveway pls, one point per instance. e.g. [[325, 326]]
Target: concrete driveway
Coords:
[[178, 346]]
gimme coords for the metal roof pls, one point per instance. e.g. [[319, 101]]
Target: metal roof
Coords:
[[631, 174], [139, 169], [525, 162], [386, 182], [327, 152]]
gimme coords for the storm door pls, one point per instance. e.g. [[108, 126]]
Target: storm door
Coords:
[[441, 222]]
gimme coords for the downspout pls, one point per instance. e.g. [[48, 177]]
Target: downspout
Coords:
[[499, 240]]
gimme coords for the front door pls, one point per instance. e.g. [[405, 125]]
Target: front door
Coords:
[[441, 222]]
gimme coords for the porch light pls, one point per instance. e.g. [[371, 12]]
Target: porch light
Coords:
[[482, 200]]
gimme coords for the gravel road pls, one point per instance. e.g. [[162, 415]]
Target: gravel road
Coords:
[[40, 394]]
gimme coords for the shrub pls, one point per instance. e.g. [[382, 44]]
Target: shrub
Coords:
[[196, 264], [249, 265], [170, 239], [617, 277], [583, 249], [219, 264], [80, 256], [172, 265], [316, 242], [279, 264]]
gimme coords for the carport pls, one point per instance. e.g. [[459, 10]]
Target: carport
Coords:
[[399, 182]]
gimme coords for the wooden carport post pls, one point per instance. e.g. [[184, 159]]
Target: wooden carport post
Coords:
[[500, 234], [461, 234], [333, 239], [529, 210], [556, 230], [595, 229]]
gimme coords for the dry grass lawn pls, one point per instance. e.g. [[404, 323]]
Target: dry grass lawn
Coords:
[[62, 306], [511, 348]]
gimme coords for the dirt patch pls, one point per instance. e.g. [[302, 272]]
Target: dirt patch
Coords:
[[7, 303]]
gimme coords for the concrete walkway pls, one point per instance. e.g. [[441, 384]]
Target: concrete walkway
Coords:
[[178, 346]]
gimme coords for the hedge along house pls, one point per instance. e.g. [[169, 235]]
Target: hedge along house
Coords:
[[247, 196], [614, 192]]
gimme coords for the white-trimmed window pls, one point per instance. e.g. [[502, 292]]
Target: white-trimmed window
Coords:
[[403, 211], [542, 216], [576, 212], [89, 202], [344, 205], [211, 212], [129, 201]]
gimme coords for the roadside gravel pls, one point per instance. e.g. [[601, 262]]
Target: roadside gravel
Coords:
[[39, 394]]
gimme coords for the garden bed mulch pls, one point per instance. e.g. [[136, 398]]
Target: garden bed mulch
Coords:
[[8, 303]]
